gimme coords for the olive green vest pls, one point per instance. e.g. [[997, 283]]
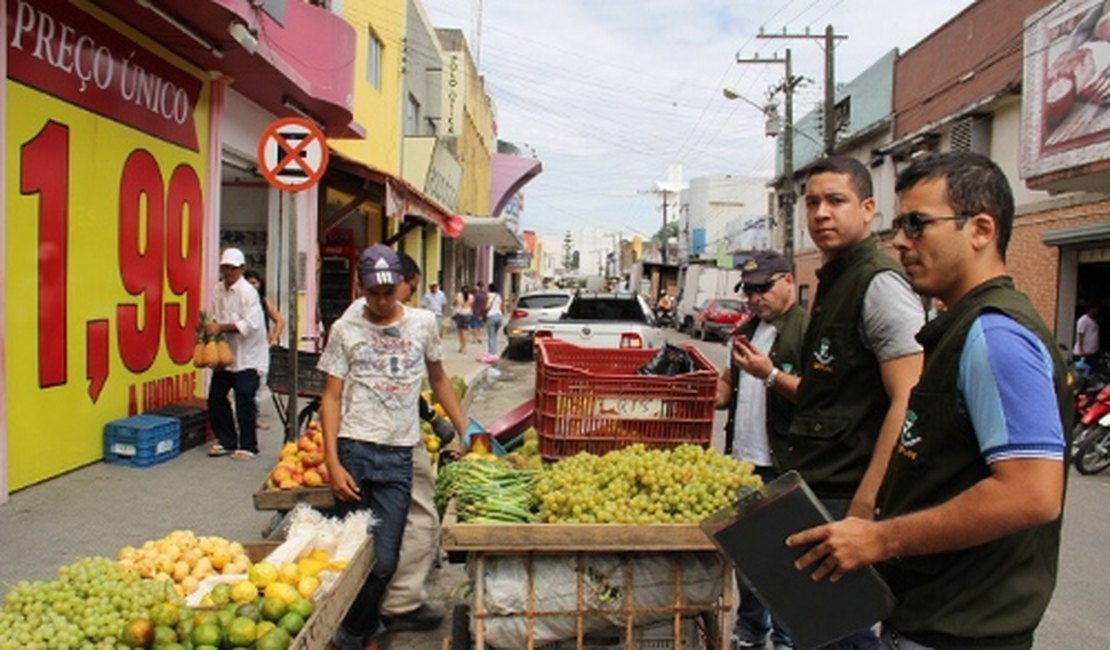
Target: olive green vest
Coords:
[[841, 400], [991, 595], [785, 353]]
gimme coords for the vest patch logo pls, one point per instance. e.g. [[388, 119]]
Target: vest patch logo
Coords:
[[909, 438], [823, 357]]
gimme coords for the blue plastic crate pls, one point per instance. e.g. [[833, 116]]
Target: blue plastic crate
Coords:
[[142, 440]]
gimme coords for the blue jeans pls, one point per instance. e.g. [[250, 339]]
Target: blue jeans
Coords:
[[245, 383], [384, 477], [754, 620], [866, 638], [493, 325]]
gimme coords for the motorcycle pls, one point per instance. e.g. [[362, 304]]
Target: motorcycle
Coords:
[[1091, 443], [664, 317]]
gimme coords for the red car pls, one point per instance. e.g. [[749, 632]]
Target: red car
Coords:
[[717, 317]]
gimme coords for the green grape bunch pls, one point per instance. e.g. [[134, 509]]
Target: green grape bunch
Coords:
[[637, 485], [87, 607]]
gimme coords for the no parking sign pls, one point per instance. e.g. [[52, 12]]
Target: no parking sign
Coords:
[[293, 154]]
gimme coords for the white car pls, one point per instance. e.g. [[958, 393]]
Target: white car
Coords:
[[529, 309]]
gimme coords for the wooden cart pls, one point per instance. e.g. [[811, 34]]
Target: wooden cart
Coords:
[[333, 606], [480, 542]]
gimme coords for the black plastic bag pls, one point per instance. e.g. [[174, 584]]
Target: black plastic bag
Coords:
[[671, 360]]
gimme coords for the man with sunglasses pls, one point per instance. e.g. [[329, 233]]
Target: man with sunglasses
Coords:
[[759, 408], [968, 524]]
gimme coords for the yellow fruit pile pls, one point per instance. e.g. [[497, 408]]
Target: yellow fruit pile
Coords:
[[185, 559], [301, 463], [288, 582]]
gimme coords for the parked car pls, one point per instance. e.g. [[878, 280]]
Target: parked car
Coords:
[[605, 320], [717, 317], [529, 309]]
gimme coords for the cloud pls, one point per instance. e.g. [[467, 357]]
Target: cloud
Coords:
[[609, 94]]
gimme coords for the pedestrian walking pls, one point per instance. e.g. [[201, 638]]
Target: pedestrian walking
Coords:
[[435, 301], [462, 310], [375, 364], [478, 313], [494, 318], [237, 314], [968, 526]]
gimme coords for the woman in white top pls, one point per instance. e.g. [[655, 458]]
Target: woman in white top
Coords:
[[493, 318], [462, 312]]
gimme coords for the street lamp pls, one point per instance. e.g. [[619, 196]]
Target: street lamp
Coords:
[[787, 133], [770, 110]]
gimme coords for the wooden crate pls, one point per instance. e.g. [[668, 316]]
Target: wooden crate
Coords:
[[320, 498], [333, 606], [595, 538]]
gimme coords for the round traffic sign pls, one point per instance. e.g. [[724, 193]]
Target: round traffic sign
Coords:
[[293, 154]]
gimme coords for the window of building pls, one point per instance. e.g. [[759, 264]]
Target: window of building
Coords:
[[412, 116], [374, 60]]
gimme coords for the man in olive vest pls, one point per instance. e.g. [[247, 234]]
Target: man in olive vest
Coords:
[[968, 522], [759, 399], [859, 356]]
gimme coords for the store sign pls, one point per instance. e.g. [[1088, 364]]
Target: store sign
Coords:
[[62, 51], [519, 261], [1065, 110], [105, 217]]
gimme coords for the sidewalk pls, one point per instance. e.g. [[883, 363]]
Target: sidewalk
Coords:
[[98, 509]]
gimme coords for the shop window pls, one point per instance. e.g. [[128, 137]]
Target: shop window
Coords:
[[374, 60]]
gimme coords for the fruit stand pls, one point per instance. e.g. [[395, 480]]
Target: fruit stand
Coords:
[[601, 548]]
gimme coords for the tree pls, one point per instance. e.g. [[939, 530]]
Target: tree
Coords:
[[667, 232], [570, 256]]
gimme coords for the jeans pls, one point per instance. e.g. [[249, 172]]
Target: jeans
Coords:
[[864, 639], [493, 325], [245, 383], [754, 620], [384, 477]]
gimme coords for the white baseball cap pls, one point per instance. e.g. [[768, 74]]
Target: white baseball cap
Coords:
[[233, 257]]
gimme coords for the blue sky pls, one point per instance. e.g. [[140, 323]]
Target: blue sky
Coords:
[[610, 94]]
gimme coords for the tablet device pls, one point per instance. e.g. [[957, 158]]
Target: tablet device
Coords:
[[752, 532]]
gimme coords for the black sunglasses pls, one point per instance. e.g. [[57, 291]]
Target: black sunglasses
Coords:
[[913, 223], [760, 289]]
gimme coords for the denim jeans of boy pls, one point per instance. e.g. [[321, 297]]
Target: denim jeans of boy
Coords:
[[384, 477]]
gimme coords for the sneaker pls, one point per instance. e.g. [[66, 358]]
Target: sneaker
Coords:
[[242, 454], [422, 618], [217, 450]]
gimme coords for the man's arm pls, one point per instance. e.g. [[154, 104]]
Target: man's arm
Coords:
[[446, 396], [343, 485], [899, 377], [757, 363], [1018, 494]]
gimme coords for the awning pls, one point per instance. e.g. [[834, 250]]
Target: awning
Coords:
[[302, 63], [490, 231], [401, 198], [508, 175]]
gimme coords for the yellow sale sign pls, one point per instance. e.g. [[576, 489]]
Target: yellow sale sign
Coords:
[[106, 161]]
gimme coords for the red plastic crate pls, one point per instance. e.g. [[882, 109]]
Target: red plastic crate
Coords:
[[591, 399]]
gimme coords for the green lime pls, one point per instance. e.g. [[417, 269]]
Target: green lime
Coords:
[[292, 623], [302, 606], [207, 634], [242, 631]]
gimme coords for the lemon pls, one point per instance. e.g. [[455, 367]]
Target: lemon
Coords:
[[285, 592], [308, 586], [263, 574], [289, 573], [319, 554], [244, 591]]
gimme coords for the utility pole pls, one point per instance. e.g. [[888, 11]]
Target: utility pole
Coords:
[[786, 194], [829, 37], [663, 233]]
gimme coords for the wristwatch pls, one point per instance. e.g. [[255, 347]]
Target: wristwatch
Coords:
[[769, 380]]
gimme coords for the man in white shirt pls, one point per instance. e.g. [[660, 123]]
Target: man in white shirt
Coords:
[[237, 315], [1087, 335], [435, 301]]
